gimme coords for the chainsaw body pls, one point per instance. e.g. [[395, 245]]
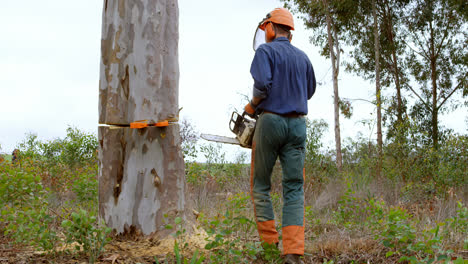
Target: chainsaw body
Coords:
[[243, 128]]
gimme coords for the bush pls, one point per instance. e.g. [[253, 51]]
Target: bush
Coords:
[[77, 148], [86, 190], [25, 209], [453, 162], [82, 229], [319, 166]]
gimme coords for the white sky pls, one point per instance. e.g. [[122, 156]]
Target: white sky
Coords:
[[49, 68]]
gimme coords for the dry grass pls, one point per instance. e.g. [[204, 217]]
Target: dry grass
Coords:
[[342, 248]]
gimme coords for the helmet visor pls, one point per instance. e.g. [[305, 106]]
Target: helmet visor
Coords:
[[259, 38]]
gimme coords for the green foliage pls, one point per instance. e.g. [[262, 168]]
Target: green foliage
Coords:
[[213, 154], [90, 238], [86, 190], [345, 108], [60, 161], [216, 165], [195, 173], [180, 244], [457, 225], [271, 253], [350, 209], [319, 166], [315, 131], [189, 137], [360, 157], [230, 234], [24, 209], [397, 231], [77, 148], [453, 162]]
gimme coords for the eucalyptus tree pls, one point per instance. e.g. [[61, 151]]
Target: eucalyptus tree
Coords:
[[363, 47], [436, 59], [375, 48], [141, 171], [377, 87], [327, 19]]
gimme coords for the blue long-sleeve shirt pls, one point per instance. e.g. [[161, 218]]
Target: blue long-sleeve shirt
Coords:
[[283, 77]]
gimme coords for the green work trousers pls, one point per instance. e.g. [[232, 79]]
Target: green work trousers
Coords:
[[284, 137]]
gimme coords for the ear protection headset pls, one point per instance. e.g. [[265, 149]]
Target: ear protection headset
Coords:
[[270, 31]]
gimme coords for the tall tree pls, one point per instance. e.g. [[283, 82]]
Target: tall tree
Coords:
[[141, 172], [437, 48], [334, 49], [377, 88], [393, 50], [326, 18], [361, 40]]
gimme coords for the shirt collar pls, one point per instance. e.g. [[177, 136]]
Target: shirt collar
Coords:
[[281, 39]]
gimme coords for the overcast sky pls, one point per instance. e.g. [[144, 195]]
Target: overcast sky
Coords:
[[49, 69]]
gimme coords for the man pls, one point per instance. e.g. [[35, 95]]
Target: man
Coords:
[[15, 156], [284, 80]]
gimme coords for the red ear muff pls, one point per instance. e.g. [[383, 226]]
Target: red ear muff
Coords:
[[270, 32]]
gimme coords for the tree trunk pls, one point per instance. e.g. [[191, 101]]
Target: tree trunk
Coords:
[[396, 73], [333, 44], [377, 90], [141, 172], [434, 110]]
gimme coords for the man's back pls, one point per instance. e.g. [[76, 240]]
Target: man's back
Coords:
[[284, 76]]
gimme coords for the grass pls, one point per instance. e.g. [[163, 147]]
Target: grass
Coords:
[[48, 206]]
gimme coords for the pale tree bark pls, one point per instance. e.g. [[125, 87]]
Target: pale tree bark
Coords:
[[377, 89], [141, 172], [335, 60], [388, 22]]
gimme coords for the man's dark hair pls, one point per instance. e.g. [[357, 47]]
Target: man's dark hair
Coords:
[[283, 28]]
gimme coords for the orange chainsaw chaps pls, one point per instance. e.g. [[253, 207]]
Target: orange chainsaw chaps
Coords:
[[293, 240], [267, 232]]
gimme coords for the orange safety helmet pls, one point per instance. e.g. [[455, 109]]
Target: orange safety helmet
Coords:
[[280, 16]]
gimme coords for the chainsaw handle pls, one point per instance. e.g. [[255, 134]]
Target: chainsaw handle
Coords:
[[232, 122]]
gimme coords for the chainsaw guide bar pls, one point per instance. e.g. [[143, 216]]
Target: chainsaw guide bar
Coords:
[[220, 139]]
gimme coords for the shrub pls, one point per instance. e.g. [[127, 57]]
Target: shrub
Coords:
[[86, 190], [82, 229], [25, 209]]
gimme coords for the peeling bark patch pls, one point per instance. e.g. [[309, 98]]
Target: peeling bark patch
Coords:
[[147, 103], [156, 180], [122, 9], [144, 150], [138, 197], [108, 49], [120, 172], [125, 82]]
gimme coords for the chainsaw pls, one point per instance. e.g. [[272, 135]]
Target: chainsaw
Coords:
[[241, 126]]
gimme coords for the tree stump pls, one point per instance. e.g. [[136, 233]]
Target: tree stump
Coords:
[[141, 171]]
